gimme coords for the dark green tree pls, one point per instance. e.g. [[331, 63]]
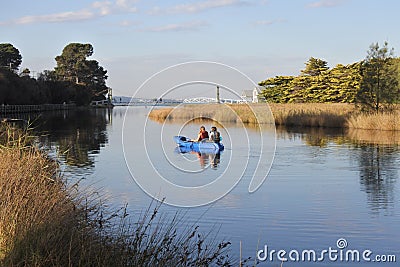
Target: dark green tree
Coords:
[[71, 62], [379, 86], [10, 57], [94, 77], [47, 75], [73, 66], [315, 67]]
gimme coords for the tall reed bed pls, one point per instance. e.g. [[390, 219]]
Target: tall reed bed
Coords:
[[333, 115], [46, 222], [372, 121], [312, 114], [233, 113]]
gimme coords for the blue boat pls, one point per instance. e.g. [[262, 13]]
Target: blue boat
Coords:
[[205, 146]]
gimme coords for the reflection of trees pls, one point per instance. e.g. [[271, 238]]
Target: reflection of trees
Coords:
[[312, 136], [376, 155], [77, 134], [378, 174]]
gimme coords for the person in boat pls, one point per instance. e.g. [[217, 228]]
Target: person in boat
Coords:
[[215, 136], [203, 134]]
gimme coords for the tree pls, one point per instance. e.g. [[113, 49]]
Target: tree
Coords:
[[10, 57], [315, 67], [71, 62], [379, 85], [73, 66], [94, 76], [339, 84], [47, 75]]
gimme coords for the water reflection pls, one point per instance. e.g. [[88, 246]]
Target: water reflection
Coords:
[[378, 174], [389, 138], [212, 159], [205, 159], [376, 154], [312, 136], [76, 134]]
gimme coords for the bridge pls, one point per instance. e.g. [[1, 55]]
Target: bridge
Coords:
[[205, 100], [125, 101]]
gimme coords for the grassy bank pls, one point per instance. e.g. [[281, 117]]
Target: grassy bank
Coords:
[[235, 113], [46, 222], [302, 115]]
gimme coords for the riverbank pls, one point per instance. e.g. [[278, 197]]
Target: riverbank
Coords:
[[299, 115], [46, 221]]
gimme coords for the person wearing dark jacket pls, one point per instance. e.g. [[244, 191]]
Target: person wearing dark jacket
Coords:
[[215, 136]]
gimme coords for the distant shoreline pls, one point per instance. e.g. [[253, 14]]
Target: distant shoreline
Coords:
[[16, 109]]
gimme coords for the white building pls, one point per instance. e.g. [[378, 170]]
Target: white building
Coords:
[[252, 95]]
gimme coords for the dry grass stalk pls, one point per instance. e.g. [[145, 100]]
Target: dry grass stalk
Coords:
[[233, 113], [372, 121], [311, 114], [330, 115]]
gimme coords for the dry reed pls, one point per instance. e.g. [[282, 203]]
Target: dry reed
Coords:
[[332, 115], [312, 114], [233, 113], [373, 121]]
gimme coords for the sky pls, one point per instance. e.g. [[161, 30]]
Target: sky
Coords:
[[134, 39]]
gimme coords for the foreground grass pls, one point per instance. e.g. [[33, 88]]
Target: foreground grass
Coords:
[[302, 115], [44, 222]]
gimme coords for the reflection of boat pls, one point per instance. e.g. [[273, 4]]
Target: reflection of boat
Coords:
[[205, 146]]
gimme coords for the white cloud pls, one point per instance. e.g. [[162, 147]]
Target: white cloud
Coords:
[[103, 7], [268, 22], [58, 17], [265, 22], [325, 3], [96, 9], [128, 5], [178, 27], [129, 23], [196, 7]]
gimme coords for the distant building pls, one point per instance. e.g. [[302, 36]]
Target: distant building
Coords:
[[252, 95]]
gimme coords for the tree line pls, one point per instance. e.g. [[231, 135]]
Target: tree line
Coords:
[[372, 84], [75, 79]]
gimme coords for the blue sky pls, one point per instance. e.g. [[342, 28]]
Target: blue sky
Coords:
[[133, 39]]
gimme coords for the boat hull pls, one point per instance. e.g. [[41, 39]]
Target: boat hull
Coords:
[[185, 145]]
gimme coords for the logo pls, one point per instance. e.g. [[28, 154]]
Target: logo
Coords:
[[339, 253]]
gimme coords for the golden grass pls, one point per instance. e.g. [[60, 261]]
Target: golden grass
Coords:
[[312, 114], [375, 121], [332, 115], [233, 113], [44, 222]]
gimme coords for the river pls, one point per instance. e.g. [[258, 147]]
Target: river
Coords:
[[323, 188]]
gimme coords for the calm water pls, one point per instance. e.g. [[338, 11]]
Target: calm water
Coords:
[[321, 187]]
